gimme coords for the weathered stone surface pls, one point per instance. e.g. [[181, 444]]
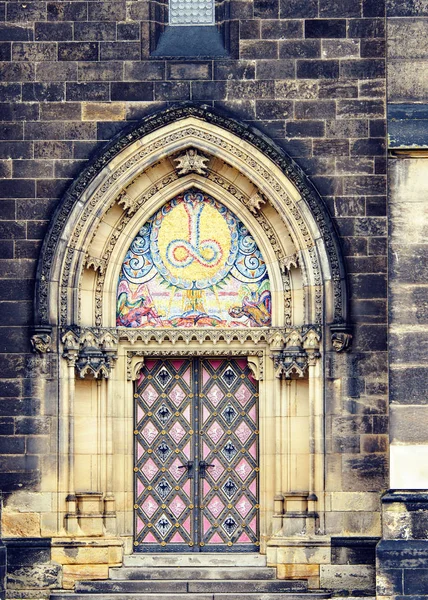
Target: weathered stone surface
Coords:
[[38, 576], [407, 80], [353, 550], [20, 524], [349, 577], [73, 573]]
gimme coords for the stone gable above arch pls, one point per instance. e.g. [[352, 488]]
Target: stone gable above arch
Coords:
[[168, 153]]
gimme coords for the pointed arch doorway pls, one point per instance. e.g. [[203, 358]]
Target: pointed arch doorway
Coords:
[[103, 347]]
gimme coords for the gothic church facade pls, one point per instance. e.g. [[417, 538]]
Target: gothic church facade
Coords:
[[213, 289]]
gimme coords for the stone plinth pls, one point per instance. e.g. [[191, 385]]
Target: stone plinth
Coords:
[[402, 554]]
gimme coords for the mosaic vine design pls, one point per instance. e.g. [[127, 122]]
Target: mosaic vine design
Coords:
[[194, 264]]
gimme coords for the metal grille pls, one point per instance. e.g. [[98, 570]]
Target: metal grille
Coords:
[[191, 12]]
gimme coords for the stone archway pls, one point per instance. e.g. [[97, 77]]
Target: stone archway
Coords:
[[171, 152], [276, 180]]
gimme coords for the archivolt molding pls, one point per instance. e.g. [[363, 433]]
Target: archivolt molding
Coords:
[[162, 135]]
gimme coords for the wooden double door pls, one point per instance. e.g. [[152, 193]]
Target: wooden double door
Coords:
[[196, 456]]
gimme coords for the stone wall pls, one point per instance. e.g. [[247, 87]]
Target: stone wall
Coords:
[[407, 44], [311, 75], [402, 555]]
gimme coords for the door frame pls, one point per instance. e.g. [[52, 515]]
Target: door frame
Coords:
[[262, 348], [269, 352]]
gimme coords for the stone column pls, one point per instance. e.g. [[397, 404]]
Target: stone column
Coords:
[[66, 432]]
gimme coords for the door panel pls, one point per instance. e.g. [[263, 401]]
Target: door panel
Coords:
[[229, 443], [163, 447], [196, 453]]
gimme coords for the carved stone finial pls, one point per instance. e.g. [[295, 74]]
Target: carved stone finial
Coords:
[[97, 264], [191, 162], [255, 202], [277, 341], [92, 362], [125, 201], [92, 352], [41, 343], [341, 337]]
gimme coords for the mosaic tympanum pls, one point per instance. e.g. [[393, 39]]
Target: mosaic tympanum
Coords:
[[194, 264]]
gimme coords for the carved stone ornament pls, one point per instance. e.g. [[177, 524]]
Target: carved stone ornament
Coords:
[[191, 162], [97, 264], [301, 351], [341, 342], [92, 352], [41, 343], [255, 202], [341, 337], [290, 261], [124, 200]]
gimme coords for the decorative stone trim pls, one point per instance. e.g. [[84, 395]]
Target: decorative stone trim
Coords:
[[309, 197], [108, 337], [255, 358]]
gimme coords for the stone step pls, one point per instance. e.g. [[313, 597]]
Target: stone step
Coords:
[[192, 587], [197, 596], [171, 573], [196, 559]]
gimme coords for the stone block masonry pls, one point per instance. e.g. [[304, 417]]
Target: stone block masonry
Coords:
[[311, 76]]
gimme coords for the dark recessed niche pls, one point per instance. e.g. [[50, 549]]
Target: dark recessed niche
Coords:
[[197, 41], [190, 41]]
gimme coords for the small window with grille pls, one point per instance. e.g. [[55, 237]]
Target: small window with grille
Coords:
[[191, 12]]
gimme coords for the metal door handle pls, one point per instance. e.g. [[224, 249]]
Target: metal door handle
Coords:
[[189, 467], [203, 466]]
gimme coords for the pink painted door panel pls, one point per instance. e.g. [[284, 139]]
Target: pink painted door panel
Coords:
[[229, 446], [163, 447], [196, 456]]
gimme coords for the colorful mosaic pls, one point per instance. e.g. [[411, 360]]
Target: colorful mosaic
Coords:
[[194, 264], [196, 456]]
